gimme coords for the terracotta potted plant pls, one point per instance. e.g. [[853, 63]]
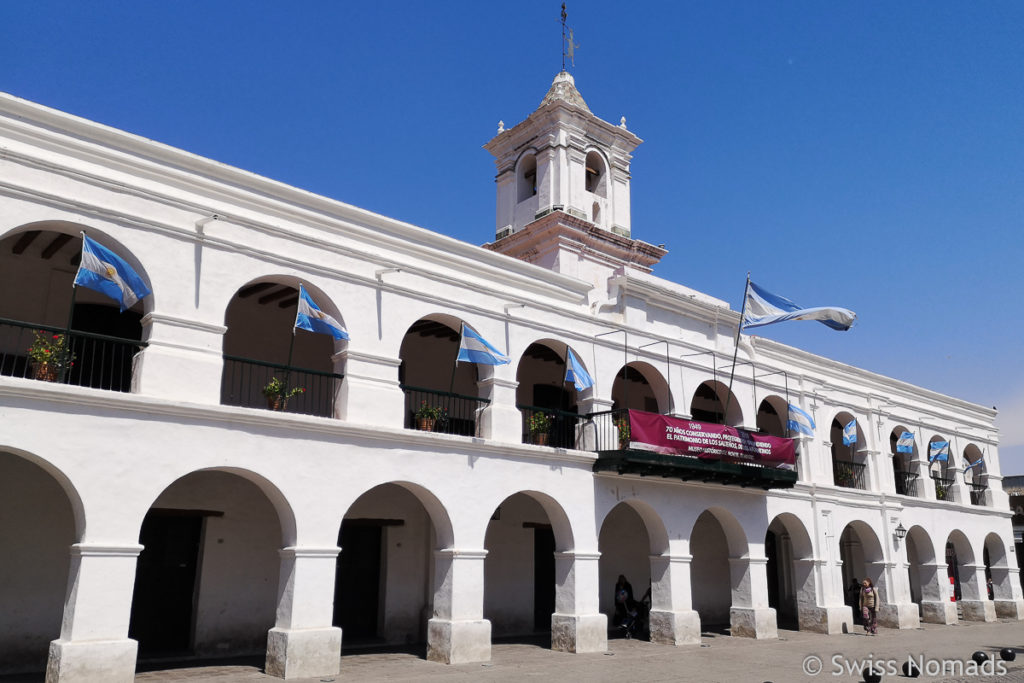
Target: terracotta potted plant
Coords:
[[49, 355], [539, 425], [622, 425], [278, 394], [427, 416]]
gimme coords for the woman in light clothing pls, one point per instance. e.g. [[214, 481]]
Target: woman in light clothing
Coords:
[[869, 606]]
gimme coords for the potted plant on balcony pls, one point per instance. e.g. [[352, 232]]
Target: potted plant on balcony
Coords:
[[49, 355], [278, 394], [539, 424], [427, 416], [622, 425]]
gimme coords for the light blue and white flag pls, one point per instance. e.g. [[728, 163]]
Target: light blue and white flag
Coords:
[[800, 421], [310, 317], [938, 450], [850, 433], [764, 308], [107, 273], [476, 349], [905, 444], [976, 463], [575, 372]]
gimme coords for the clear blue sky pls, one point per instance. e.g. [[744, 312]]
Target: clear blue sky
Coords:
[[861, 154]]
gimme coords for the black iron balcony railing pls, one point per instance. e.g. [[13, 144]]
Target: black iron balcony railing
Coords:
[[978, 493], [245, 380], [611, 430], [441, 411], [83, 359], [550, 427], [906, 483], [943, 488], [849, 474]]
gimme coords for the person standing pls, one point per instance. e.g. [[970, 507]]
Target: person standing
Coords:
[[869, 607]]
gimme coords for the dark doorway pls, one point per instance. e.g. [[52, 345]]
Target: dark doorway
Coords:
[[772, 569], [543, 577], [357, 580], [165, 583]]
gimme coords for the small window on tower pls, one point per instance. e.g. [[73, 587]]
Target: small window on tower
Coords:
[[527, 177], [596, 180]]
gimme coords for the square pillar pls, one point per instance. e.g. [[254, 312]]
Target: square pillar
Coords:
[[94, 646], [673, 620], [577, 624], [812, 616], [304, 643], [183, 359], [976, 606], [500, 420], [895, 609], [458, 633], [936, 607], [370, 393], [750, 616]]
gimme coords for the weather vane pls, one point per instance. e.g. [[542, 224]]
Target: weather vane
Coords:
[[568, 42]]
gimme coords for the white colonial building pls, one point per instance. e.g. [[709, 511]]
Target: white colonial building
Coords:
[[153, 503]]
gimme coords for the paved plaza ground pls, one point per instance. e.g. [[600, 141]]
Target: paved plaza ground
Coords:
[[944, 649]]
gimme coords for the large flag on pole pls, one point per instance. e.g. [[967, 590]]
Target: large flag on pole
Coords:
[[106, 272], [476, 349], [976, 463], [938, 450], [905, 444], [761, 307], [310, 317], [575, 372], [800, 421], [850, 433]]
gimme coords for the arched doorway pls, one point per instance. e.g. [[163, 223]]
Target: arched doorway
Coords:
[[773, 416], [790, 572], [38, 526], [546, 400], [206, 582], [267, 362], [862, 557], [709, 404], [639, 386], [904, 462], [849, 453], [626, 550]]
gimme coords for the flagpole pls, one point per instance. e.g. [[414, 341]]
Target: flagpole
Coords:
[[71, 315], [736, 350]]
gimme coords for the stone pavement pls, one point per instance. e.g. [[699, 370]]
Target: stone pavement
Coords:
[[944, 649]]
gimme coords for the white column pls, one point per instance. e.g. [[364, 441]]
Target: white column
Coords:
[[673, 620], [750, 615], [577, 624], [370, 393], [303, 642], [975, 604], [895, 609], [183, 360], [458, 633], [94, 644], [936, 607], [1006, 587], [500, 420]]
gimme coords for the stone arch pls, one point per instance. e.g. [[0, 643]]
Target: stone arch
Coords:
[[41, 515], [526, 176], [941, 470], [997, 569], [720, 569], [975, 474], [849, 461], [261, 346], [596, 173], [960, 562], [542, 388], [103, 342], [631, 535], [927, 577], [430, 376], [773, 416], [638, 385], [862, 556], [792, 589], [904, 465], [521, 573], [709, 402], [207, 580]]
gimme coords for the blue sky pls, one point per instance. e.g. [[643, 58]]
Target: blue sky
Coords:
[[861, 154]]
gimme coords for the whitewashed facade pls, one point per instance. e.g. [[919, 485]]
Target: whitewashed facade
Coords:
[[448, 537]]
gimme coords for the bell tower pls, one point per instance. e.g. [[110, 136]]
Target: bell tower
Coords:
[[563, 189]]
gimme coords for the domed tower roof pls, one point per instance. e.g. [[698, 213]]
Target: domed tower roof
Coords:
[[563, 89]]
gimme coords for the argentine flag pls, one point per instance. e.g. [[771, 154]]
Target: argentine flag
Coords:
[[575, 373], [106, 272], [475, 349], [850, 433], [800, 421], [979, 461], [310, 317], [764, 308], [905, 444], [938, 450]]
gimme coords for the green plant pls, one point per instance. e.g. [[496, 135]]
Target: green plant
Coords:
[[275, 388], [429, 412], [622, 424], [539, 423], [51, 349]]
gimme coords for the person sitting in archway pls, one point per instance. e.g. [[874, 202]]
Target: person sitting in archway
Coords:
[[623, 600]]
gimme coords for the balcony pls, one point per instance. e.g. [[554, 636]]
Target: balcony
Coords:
[[626, 443], [978, 493], [849, 474], [943, 488], [245, 381], [442, 411], [83, 359], [906, 483], [550, 427]]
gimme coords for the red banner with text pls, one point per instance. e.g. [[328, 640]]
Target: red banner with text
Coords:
[[676, 436]]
